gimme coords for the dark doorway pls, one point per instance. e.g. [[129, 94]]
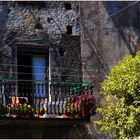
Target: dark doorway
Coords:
[[32, 64], [24, 74], [24, 67]]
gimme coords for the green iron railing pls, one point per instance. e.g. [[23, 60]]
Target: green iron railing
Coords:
[[46, 99]]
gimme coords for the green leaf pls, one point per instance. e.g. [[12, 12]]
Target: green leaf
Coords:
[[120, 109]]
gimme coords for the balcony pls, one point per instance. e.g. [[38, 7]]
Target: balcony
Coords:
[[43, 100]]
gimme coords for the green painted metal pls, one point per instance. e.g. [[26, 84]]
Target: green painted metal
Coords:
[[48, 81], [73, 90]]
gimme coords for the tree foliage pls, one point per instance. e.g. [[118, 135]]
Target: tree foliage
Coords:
[[120, 111]]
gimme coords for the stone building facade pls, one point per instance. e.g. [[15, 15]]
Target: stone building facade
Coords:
[[108, 33], [85, 53], [51, 25], [99, 44]]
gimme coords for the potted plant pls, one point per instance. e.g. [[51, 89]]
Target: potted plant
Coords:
[[14, 111], [80, 106], [3, 110], [28, 110], [25, 110]]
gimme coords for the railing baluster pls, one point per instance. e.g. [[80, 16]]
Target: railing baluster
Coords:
[[31, 92], [57, 89], [55, 100], [62, 100], [66, 98], [34, 98], [43, 91], [46, 104], [44, 96], [26, 90], [76, 95], [5, 90], [59, 92], [38, 98], [50, 102], [70, 98], [67, 92]]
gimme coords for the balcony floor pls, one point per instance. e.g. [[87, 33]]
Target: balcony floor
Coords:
[[13, 122], [51, 128]]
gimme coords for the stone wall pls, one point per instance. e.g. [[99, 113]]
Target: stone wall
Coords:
[[27, 23], [105, 40], [69, 63], [53, 17], [102, 42], [5, 55], [44, 21]]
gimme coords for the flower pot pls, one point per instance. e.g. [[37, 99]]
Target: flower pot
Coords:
[[65, 116], [13, 115]]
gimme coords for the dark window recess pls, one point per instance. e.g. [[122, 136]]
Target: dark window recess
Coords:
[[32, 3], [38, 26], [8, 11], [67, 5], [61, 51], [49, 19], [69, 29], [39, 8], [24, 73]]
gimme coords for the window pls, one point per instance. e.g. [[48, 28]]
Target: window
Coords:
[[32, 66], [67, 5], [69, 29]]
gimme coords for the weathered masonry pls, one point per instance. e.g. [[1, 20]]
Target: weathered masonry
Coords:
[[50, 29], [41, 41]]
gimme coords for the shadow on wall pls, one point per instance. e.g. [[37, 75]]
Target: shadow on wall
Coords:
[[47, 132], [3, 21], [126, 17]]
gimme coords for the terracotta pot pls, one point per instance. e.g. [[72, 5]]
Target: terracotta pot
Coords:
[[65, 115]]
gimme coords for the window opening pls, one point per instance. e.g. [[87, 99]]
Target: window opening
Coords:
[[69, 29], [67, 6]]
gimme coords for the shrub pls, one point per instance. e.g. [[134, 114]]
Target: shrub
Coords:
[[120, 109]]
